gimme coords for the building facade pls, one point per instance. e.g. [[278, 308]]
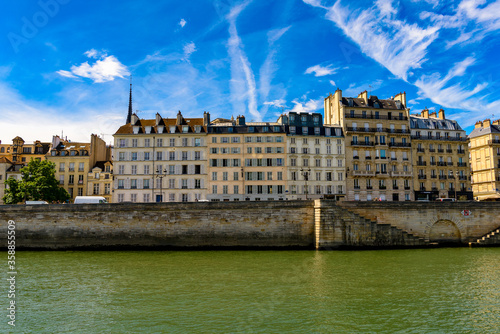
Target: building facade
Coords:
[[315, 160], [485, 160], [246, 160], [21, 152], [100, 180], [377, 145], [74, 161], [440, 157], [161, 160]]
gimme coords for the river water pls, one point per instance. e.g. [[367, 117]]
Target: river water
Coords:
[[449, 290]]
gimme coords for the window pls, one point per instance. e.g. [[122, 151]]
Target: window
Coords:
[[134, 142], [159, 155], [121, 156], [184, 142], [214, 176], [145, 198], [280, 176], [236, 189], [159, 142], [197, 155], [214, 189], [146, 156], [121, 169], [133, 184], [145, 184], [147, 142], [171, 156], [269, 176], [171, 183], [134, 169]]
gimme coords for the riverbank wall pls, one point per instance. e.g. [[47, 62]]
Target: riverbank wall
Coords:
[[319, 224]]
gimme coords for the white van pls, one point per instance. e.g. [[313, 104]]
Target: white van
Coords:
[[35, 202], [89, 199]]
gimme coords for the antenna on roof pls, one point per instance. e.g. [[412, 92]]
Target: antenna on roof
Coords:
[[370, 87]]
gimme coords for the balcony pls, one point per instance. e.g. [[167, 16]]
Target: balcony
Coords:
[[369, 187], [363, 173], [422, 188], [407, 187], [434, 189], [463, 177], [461, 151], [441, 163], [438, 138], [400, 145], [421, 163], [449, 163], [395, 187], [462, 164], [442, 177], [356, 188], [440, 150], [449, 150], [61, 170], [432, 150], [71, 170], [394, 118], [382, 187], [422, 177], [420, 150], [401, 174], [433, 176], [493, 141], [433, 163], [362, 143]]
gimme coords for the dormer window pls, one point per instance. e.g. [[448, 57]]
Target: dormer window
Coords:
[[52, 153], [172, 129], [72, 153], [197, 128], [304, 118], [185, 128], [136, 129], [147, 129]]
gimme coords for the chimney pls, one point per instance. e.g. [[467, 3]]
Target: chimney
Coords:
[[497, 122], [425, 113], [486, 123], [433, 115], [134, 119], [158, 118], [441, 114], [478, 124], [180, 119], [364, 96], [206, 118], [240, 120], [401, 97]]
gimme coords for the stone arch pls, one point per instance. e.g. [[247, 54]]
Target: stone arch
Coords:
[[444, 231]]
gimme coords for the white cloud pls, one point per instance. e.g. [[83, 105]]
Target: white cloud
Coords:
[[309, 106], [182, 23], [276, 103], [320, 71], [333, 83], [353, 90], [386, 8], [189, 49], [105, 69]]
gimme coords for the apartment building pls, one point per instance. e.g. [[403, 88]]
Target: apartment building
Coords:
[[100, 180], [161, 159], [74, 161], [377, 145], [246, 160], [21, 152], [315, 157], [484, 149], [440, 157]]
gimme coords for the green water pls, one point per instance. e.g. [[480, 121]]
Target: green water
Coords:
[[398, 291]]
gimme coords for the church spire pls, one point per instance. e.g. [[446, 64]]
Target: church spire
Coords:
[[129, 115]]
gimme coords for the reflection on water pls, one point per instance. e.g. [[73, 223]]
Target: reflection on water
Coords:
[[407, 291]]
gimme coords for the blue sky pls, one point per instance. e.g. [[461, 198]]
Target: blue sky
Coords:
[[65, 64]]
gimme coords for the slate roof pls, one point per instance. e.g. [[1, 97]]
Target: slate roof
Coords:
[[495, 129], [373, 102], [417, 122], [166, 122]]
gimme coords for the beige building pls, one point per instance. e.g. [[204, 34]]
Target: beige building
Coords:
[[377, 145], [246, 160], [315, 157], [100, 180], [74, 161], [440, 157], [5, 164], [21, 152], [160, 160], [484, 149]]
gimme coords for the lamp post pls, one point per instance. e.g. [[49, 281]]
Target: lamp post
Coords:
[[456, 173], [305, 174], [160, 175]]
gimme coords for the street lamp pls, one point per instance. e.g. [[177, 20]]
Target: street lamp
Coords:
[[305, 174], [456, 173], [160, 175]]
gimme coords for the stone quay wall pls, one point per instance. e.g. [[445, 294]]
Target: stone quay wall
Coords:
[[161, 225], [320, 224]]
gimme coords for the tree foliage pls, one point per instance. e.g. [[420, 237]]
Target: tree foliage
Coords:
[[38, 183]]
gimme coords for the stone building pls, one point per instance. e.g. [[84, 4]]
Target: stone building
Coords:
[[160, 159], [377, 145], [100, 180], [485, 160], [315, 160], [21, 152], [440, 157], [74, 161], [246, 160]]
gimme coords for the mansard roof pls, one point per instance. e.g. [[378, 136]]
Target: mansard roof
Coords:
[[373, 102], [166, 122], [481, 131], [431, 123]]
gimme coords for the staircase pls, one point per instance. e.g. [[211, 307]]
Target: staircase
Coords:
[[490, 239], [337, 227]]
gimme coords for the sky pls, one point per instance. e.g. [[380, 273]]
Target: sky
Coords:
[[65, 65]]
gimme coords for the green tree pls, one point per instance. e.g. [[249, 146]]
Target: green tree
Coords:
[[38, 183]]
